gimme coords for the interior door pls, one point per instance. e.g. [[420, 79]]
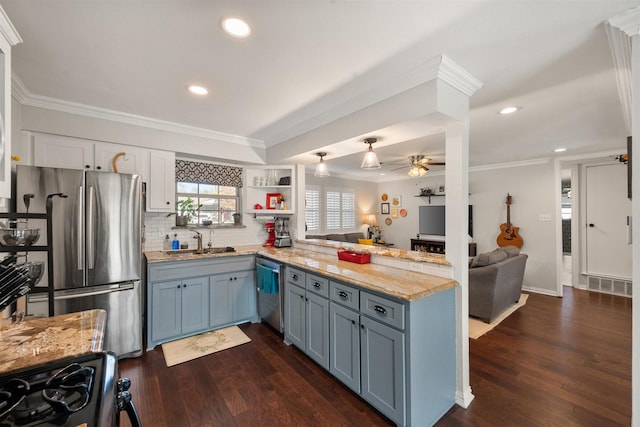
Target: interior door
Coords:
[[607, 210]]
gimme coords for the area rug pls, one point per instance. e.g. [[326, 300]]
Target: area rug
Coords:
[[478, 328], [190, 348]]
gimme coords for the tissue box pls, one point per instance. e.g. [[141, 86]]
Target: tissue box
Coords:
[[358, 258]]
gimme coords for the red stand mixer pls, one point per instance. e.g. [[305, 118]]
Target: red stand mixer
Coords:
[[271, 230]]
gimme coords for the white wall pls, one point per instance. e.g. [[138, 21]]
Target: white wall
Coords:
[[532, 189]]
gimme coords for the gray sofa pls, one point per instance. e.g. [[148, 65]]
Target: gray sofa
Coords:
[[346, 237], [495, 281]]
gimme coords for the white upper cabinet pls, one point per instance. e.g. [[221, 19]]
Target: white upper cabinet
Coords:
[[161, 188], [8, 37], [122, 159], [62, 152]]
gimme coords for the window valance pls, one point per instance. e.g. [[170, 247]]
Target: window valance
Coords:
[[208, 173]]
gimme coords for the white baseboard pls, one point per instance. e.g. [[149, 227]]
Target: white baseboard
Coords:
[[540, 291], [464, 397]]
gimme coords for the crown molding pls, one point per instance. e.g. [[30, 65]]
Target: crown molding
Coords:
[[332, 108], [458, 77], [617, 30], [518, 164], [8, 30], [627, 22], [25, 97]]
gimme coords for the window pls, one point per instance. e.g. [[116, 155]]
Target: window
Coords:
[[312, 210], [215, 190], [218, 202], [340, 210]]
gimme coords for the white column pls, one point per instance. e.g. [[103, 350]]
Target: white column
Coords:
[[457, 244], [635, 213]]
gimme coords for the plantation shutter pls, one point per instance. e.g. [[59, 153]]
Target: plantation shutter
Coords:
[[348, 210], [312, 210], [333, 210]]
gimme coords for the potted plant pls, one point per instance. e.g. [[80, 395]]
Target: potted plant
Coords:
[[187, 211]]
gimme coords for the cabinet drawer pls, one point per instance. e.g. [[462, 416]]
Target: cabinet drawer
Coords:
[[382, 309], [344, 294], [295, 276], [318, 285]]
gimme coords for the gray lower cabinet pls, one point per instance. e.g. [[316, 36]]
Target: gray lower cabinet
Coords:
[[344, 339], [179, 307], [382, 368], [367, 355], [232, 298], [307, 315], [188, 297]]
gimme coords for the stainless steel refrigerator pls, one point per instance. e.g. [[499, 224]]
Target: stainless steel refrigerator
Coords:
[[96, 247]]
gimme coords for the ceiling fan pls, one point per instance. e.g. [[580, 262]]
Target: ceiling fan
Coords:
[[418, 165]]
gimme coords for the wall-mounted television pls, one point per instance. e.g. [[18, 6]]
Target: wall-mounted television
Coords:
[[432, 220]]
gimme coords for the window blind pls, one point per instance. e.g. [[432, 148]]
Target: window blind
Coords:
[[312, 211]]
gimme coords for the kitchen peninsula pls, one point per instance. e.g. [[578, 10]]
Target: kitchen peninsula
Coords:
[[388, 333], [45, 339]]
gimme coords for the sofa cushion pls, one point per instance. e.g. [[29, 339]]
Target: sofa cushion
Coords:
[[488, 258], [336, 237], [511, 251], [353, 237], [315, 236]]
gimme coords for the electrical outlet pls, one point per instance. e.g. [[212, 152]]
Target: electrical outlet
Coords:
[[544, 217]]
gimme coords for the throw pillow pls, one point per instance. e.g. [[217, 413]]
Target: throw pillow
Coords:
[[511, 251], [365, 242], [489, 258]]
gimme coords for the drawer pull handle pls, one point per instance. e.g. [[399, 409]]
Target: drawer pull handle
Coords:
[[353, 321], [295, 277], [316, 285], [343, 294], [380, 309]]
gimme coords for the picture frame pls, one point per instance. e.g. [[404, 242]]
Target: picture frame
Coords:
[[273, 200], [394, 212], [384, 208], [441, 189], [396, 201]]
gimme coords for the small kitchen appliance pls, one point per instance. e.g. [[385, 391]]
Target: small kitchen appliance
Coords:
[[78, 391], [283, 238], [271, 231]]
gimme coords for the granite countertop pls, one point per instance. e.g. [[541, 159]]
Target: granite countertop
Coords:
[[395, 282], [45, 339]]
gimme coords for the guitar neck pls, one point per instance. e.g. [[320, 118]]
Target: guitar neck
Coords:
[[508, 215]]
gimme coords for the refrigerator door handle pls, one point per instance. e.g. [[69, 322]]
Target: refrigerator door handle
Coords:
[[63, 295], [90, 234], [80, 229]]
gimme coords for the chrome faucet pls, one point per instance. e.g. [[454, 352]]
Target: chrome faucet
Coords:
[[198, 237]]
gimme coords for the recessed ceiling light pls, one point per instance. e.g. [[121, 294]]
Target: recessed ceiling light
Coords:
[[198, 90], [236, 27], [509, 110], [560, 150]]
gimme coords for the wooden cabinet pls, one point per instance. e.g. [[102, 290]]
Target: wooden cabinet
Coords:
[[344, 342], [306, 315], [161, 188], [188, 297], [436, 246], [383, 368], [8, 37], [62, 152], [232, 298], [397, 355], [295, 315], [155, 167], [262, 181], [179, 307]]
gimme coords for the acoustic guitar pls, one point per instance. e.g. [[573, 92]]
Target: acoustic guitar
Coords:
[[508, 233]]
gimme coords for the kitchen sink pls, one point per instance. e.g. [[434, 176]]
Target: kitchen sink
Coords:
[[204, 251]]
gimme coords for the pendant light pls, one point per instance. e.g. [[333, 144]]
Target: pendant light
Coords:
[[370, 160], [321, 169]]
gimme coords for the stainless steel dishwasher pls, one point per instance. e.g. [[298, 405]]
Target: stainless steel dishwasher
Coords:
[[270, 299]]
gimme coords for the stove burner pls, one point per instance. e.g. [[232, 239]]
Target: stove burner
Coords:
[[69, 389], [13, 393]]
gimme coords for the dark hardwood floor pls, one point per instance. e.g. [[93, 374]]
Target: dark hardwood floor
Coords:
[[554, 362]]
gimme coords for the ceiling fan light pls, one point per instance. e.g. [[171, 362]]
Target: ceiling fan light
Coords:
[[422, 171], [414, 172], [321, 169]]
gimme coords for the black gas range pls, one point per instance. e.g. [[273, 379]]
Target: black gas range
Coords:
[[79, 391]]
